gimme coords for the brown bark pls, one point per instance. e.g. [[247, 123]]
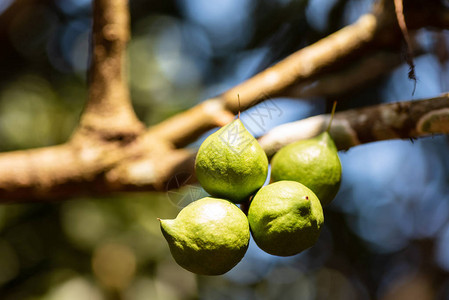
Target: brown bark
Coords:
[[108, 111], [399, 120]]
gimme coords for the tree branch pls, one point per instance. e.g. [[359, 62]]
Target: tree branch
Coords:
[[277, 80], [305, 63], [187, 126], [108, 111], [149, 164], [355, 75], [400, 120]]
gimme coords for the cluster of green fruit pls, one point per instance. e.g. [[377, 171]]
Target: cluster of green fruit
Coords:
[[211, 235]]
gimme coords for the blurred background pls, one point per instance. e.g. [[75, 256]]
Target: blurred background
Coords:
[[386, 235]]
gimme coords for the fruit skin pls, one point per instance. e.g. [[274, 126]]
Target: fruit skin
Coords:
[[313, 162], [231, 164], [208, 237], [285, 218]]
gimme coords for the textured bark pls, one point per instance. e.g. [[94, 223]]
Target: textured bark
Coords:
[[399, 120], [357, 74], [109, 111]]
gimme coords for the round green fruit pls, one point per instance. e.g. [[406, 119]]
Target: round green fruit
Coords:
[[230, 163], [312, 162], [208, 237], [285, 218]]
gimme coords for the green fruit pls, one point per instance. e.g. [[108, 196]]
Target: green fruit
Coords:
[[208, 237], [313, 162], [231, 164], [285, 218]]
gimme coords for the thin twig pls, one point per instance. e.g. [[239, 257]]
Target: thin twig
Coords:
[[399, 9]]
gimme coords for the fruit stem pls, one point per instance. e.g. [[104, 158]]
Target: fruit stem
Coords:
[[244, 206], [332, 116], [238, 97]]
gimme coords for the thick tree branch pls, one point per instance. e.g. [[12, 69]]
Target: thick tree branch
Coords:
[[277, 80], [305, 63], [108, 111], [48, 172], [355, 75], [187, 126], [149, 164], [372, 32], [400, 120], [65, 170]]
